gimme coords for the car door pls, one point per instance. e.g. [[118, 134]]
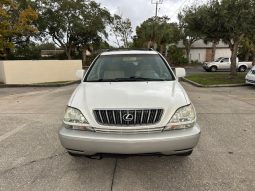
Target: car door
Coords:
[[225, 64]]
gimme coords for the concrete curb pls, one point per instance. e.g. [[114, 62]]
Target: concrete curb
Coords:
[[212, 86], [38, 85]]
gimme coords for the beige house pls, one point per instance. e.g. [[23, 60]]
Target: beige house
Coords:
[[203, 52]]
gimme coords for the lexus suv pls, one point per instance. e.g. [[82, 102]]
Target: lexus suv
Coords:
[[130, 102]]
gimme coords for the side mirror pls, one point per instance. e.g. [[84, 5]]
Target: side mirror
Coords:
[[180, 72], [79, 74]]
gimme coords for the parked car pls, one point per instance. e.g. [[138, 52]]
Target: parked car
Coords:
[[250, 77], [224, 63], [130, 102]]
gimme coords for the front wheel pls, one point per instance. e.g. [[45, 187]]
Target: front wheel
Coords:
[[213, 69], [242, 68], [73, 154], [185, 153]]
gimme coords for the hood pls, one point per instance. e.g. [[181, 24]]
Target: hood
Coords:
[[168, 95]]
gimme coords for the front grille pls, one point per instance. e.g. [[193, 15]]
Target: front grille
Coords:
[[251, 81], [128, 117]]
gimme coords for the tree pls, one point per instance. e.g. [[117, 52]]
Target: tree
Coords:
[[229, 20], [236, 19], [73, 25], [16, 21], [187, 35], [121, 29], [202, 21], [156, 32]]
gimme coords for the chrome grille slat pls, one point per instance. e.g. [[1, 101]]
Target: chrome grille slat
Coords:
[[113, 113], [155, 116], [148, 118], [107, 117], [120, 117], [139, 117]]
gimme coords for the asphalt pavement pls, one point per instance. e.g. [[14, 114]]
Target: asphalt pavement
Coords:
[[31, 157]]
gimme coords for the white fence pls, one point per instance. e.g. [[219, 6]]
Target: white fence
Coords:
[[38, 71]]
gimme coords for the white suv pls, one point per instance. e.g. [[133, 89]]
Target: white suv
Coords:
[[130, 102], [250, 77]]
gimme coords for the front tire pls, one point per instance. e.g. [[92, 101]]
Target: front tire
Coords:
[[73, 154], [185, 153], [242, 68], [213, 69]]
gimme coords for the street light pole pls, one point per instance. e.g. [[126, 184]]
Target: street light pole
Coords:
[[156, 2]]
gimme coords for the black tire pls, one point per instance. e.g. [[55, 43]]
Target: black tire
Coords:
[[242, 68], [213, 69], [73, 154], [185, 153]]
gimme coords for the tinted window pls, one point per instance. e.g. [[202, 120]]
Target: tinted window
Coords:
[[138, 67], [225, 60]]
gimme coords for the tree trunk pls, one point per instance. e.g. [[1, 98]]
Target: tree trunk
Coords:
[[68, 53], [187, 49], [214, 50], [84, 58], [253, 59], [161, 49], [234, 50]]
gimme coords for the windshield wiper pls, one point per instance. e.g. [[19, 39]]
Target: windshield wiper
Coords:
[[104, 80], [132, 78]]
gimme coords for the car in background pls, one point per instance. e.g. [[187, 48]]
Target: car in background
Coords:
[[224, 63], [130, 102], [250, 77]]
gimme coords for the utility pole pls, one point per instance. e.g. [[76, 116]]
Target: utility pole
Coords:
[[156, 2]]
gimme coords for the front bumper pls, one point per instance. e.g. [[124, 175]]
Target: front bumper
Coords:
[[205, 67], [252, 82], [250, 79], [168, 142]]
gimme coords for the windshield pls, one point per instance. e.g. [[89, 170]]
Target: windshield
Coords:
[[140, 67], [218, 59]]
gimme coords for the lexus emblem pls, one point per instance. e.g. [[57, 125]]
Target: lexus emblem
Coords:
[[128, 117]]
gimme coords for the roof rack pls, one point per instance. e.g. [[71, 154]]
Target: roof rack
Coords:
[[123, 49]]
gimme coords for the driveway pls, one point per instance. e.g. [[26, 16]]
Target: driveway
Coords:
[[32, 158]]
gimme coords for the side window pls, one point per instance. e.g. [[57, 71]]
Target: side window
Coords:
[[225, 60]]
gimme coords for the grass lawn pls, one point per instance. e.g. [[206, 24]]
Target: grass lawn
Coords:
[[217, 78]]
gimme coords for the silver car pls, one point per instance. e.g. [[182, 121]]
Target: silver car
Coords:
[[130, 102]]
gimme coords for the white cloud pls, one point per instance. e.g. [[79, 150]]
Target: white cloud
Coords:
[[140, 10]]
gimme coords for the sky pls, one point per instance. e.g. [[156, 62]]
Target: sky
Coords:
[[140, 10]]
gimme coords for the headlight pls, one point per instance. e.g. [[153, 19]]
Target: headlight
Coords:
[[74, 119], [184, 117]]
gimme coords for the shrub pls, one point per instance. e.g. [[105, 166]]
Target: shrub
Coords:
[[176, 56]]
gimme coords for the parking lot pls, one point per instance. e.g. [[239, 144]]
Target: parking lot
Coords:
[[31, 157]]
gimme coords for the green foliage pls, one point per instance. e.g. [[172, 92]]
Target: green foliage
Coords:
[[32, 51], [156, 32], [121, 29], [187, 35], [176, 56], [73, 25], [16, 21], [229, 20]]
